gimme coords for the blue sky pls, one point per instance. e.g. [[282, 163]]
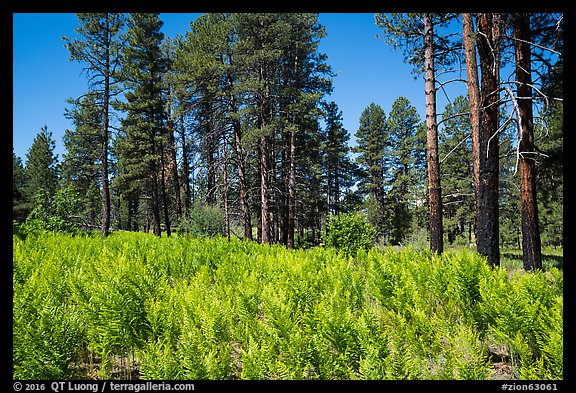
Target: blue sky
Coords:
[[367, 70]]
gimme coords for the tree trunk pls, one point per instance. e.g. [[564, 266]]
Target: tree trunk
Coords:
[[173, 161], [185, 168], [155, 201], [487, 229], [291, 190], [264, 193], [531, 247], [242, 183], [210, 145], [474, 100], [225, 189], [163, 187], [434, 188], [473, 93], [105, 228]]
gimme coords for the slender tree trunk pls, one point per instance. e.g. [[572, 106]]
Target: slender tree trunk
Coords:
[[336, 197], [211, 143], [105, 228], [291, 190], [487, 229], [242, 181], [264, 200], [531, 247], [265, 113], [434, 188], [163, 189], [225, 189], [474, 100], [272, 191], [473, 92], [155, 202], [185, 168], [284, 178], [173, 161]]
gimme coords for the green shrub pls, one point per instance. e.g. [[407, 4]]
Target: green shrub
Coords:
[[349, 233], [204, 221], [52, 213]]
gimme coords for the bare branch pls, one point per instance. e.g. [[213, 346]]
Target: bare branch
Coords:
[[519, 117], [455, 147], [453, 116], [534, 44], [452, 80]]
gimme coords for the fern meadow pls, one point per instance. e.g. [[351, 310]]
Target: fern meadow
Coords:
[[133, 305]]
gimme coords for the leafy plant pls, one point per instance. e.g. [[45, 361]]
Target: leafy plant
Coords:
[[208, 308], [349, 233], [204, 221]]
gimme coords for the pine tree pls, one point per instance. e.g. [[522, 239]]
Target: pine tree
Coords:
[[99, 46], [142, 153], [305, 78], [20, 206], [81, 162], [206, 71], [455, 152], [550, 172], [531, 247], [41, 169], [259, 56], [427, 51], [487, 221], [338, 168], [405, 159], [372, 145]]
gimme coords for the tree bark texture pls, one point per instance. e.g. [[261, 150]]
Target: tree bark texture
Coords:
[[434, 186], [487, 225], [474, 100], [105, 228], [291, 191], [185, 168], [531, 247]]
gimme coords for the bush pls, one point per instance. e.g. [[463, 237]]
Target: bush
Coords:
[[52, 213], [204, 221], [349, 233]]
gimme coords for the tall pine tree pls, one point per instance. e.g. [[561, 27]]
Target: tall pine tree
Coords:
[[41, 166], [406, 162], [98, 47], [82, 161], [142, 152], [372, 144]]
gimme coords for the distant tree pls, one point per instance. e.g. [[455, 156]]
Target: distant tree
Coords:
[[21, 207], [98, 47], [259, 59], [455, 152], [406, 161], [41, 169], [338, 167], [82, 162], [173, 178], [206, 74], [549, 170], [371, 140], [142, 150]]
